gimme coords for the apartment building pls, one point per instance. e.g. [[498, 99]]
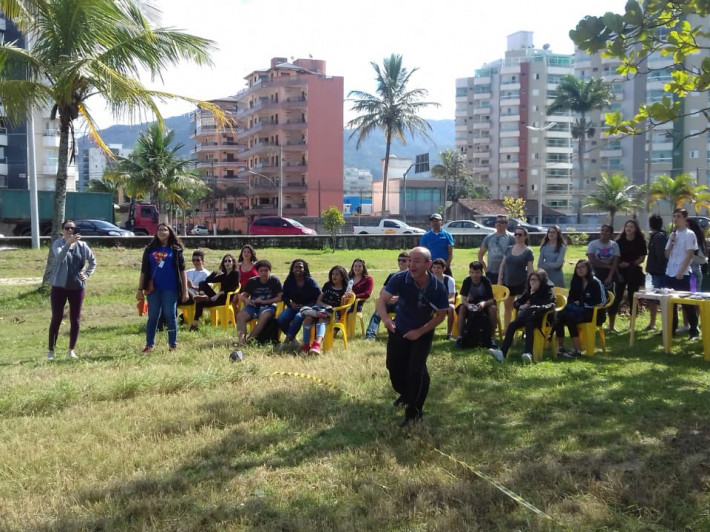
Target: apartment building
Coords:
[[13, 140], [681, 146], [290, 125], [357, 181], [93, 162], [502, 128]]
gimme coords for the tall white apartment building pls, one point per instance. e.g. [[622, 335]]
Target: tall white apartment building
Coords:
[[681, 146], [502, 128], [357, 181]]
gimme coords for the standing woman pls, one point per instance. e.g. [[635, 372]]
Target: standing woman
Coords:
[[362, 282], [246, 269], [228, 277], [656, 262], [68, 280], [552, 255], [699, 258], [633, 250], [164, 282], [514, 270]]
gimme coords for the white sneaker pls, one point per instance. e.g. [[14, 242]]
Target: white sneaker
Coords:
[[50, 355], [72, 354], [527, 358], [497, 354]]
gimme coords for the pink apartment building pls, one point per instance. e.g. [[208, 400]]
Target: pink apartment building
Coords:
[[290, 127]]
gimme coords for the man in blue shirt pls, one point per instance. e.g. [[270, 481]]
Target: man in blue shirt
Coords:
[[440, 243], [422, 305]]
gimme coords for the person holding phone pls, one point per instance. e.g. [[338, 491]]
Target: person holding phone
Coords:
[[71, 256]]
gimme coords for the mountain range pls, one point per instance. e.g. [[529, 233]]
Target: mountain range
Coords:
[[371, 151]]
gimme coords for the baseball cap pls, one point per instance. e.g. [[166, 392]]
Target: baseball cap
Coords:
[[435, 216]]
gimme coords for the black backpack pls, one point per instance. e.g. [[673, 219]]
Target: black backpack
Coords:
[[477, 330], [270, 333]]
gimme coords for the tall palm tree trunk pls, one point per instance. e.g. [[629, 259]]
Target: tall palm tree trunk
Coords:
[[580, 183], [60, 194], [388, 143]]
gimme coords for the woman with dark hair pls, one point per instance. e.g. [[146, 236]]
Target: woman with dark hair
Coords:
[[299, 290], [333, 295], [228, 277], [699, 258], [164, 282], [538, 298], [514, 270], [246, 268], [69, 277], [656, 262], [585, 293], [633, 250], [552, 255], [362, 282]]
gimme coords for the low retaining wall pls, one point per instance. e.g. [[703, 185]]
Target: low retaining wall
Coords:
[[233, 242]]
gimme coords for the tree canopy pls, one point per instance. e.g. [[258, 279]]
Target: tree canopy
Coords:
[[613, 194], [658, 28], [394, 109]]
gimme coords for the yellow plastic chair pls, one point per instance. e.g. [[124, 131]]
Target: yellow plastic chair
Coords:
[[188, 312], [222, 314], [457, 302], [339, 324], [354, 316], [588, 330], [541, 340], [252, 322], [561, 291], [500, 294]]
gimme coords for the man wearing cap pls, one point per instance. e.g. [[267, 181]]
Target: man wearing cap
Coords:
[[440, 243]]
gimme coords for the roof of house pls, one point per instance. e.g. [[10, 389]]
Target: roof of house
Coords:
[[495, 206]]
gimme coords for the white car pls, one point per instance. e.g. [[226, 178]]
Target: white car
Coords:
[[466, 227], [200, 230]]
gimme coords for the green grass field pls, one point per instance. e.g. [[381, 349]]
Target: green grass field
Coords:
[[189, 441]]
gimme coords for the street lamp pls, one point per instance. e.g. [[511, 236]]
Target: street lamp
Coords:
[[279, 186], [541, 130]]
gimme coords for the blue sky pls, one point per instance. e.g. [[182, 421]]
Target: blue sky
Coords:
[[447, 39]]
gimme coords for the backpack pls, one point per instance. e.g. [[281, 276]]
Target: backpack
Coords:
[[477, 330], [270, 333]]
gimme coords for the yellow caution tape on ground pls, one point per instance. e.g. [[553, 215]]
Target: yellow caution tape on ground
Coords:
[[500, 487]]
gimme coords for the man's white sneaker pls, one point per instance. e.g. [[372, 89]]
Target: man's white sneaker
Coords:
[[50, 355], [497, 354], [527, 358], [72, 354]]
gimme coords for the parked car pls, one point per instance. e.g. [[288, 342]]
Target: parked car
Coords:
[[490, 221], [100, 228], [466, 227], [274, 225], [200, 230], [703, 222], [387, 227]]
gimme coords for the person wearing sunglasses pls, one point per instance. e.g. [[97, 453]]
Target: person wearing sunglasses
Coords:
[[495, 245], [69, 274], [371, 332], [196, 274], [516, 266], [228, 277]]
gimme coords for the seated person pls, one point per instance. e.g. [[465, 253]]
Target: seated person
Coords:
[[437, 268], [476, 296], [362, 283], [195, 276], [228, 277], [371, 332], [260, 295], [333, 295], [585, 292], [538, 298], [299, 290]]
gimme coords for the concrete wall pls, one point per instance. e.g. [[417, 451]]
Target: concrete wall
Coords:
[[232, 242]]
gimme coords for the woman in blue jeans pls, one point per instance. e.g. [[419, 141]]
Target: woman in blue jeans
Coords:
[[163, 282], [300, 290]]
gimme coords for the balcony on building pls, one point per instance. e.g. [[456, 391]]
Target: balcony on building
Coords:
[[3, 136], [3, 167], [50, 167], [50, 138]]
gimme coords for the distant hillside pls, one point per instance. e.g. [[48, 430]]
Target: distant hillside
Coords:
[[368, 156]]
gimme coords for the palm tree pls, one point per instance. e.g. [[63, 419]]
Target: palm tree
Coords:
[[109, 182], [675, 190], [393, 109], [452, 166], [155, 169], [614, 194], [78, 49], [580, 97]]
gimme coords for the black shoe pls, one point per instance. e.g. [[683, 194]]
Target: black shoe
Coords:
[[574, 353], [399, 402], [693, 334], [493, 345], [412, 415]]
